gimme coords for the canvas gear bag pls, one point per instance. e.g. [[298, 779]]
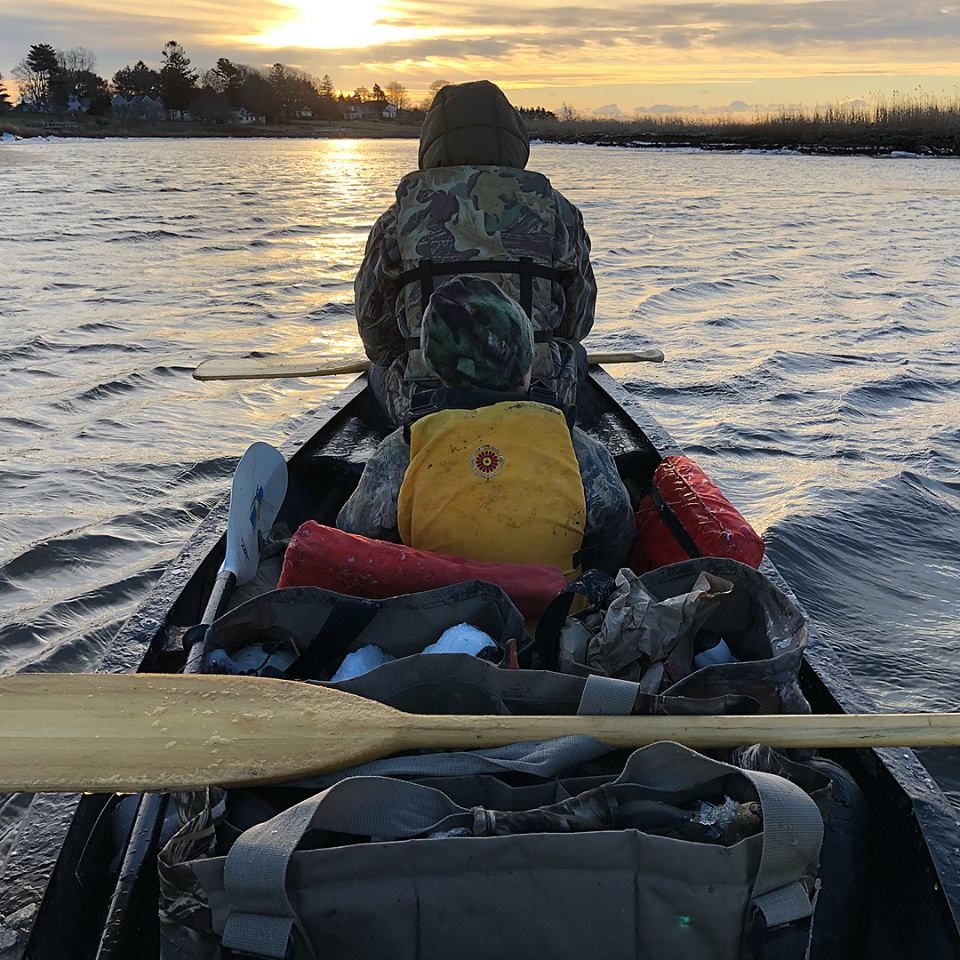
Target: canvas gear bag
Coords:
[[763, 628], [428, 867], [305, 632]]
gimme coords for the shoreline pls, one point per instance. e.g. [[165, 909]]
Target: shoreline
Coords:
[[892, 146], [89, 129], [825, 142]]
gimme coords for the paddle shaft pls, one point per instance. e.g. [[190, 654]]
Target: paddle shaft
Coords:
[[254, 368], [155, 732]]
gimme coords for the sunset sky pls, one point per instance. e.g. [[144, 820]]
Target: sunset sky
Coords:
[[633, 55]]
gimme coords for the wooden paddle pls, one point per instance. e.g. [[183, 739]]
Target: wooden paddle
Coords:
[[255, 368], [99, 732]]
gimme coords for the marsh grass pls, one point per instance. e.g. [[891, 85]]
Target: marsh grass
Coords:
[[895, 121]]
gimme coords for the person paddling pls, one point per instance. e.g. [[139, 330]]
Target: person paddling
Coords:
[[489, 469], [472, 208]]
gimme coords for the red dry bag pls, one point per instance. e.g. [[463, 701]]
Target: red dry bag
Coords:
[[685, 515], [320, 556]]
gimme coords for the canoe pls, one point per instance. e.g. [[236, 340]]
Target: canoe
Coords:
[[62, 878]]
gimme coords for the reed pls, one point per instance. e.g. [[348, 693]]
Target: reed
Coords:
[[897, 121]]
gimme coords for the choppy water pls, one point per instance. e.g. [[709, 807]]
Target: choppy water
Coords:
[[809, 309]]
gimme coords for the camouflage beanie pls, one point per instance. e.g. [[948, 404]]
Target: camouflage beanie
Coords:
[[474, 335]]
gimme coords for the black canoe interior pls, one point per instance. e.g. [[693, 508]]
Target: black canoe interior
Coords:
[[57, 880]]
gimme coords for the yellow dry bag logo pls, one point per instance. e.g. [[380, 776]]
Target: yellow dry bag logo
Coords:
[[487, 461]]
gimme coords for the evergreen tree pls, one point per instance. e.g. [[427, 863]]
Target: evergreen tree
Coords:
[[378, 94], [227, 78], [280, 81], [258, 95], [137, 81], [4, 97], [326, 88], [361, 94], [35, 73], [178, 81]]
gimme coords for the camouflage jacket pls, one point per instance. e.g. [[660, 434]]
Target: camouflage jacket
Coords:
[[371, 510], [456, 214]]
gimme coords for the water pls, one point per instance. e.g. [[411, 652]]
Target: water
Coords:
[[808, 308]]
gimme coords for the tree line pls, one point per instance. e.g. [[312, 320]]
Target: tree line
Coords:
[[52, 80]]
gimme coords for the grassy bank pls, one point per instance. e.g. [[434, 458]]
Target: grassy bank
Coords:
[[41, 125], [921, 125], [918, 124]]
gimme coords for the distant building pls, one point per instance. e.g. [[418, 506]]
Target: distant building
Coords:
[[304, 113], [369, 110], [244, 116], [137, 108]]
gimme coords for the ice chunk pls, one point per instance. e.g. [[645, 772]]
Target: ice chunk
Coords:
[[463, 638], [254, 659], [714, 655], [361, 661]]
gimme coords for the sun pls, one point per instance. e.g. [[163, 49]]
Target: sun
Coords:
[[332, 24]]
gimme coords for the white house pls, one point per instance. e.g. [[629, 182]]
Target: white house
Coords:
[[244, 116]]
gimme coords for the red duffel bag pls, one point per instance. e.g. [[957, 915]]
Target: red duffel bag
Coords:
[[685, 515], [320, 556]]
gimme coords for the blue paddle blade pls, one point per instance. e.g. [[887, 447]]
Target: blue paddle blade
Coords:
[[259, 486]]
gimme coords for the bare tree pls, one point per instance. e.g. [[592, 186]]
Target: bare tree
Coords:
[[361, 94], [396, 94], [566, 112], [432, 92], [75, 61]]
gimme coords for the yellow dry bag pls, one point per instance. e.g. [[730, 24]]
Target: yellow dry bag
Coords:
[[500, 483]]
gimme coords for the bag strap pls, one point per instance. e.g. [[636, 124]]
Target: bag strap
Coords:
[[263, 921], [595, 585], [607, 696], [543, 759], [347, 619], [524, 267], [792, 837], [792, 824]]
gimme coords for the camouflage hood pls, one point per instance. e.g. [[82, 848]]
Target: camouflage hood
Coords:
[[474, 335], [473, 124]]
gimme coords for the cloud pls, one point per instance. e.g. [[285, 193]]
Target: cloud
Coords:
[[536, 45]]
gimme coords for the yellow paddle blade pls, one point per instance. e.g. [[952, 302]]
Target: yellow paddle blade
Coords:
[[103, 732]]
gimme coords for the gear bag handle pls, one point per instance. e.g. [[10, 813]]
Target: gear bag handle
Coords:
[[262, 920], [792, 824]]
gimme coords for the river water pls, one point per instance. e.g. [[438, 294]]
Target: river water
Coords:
[[809, 308]]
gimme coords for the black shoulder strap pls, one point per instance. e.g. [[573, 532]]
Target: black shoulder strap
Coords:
[[524, 267], [596, 586], [347, 619]]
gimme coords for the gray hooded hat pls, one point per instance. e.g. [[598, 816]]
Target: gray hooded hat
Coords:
[[473, 125]]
